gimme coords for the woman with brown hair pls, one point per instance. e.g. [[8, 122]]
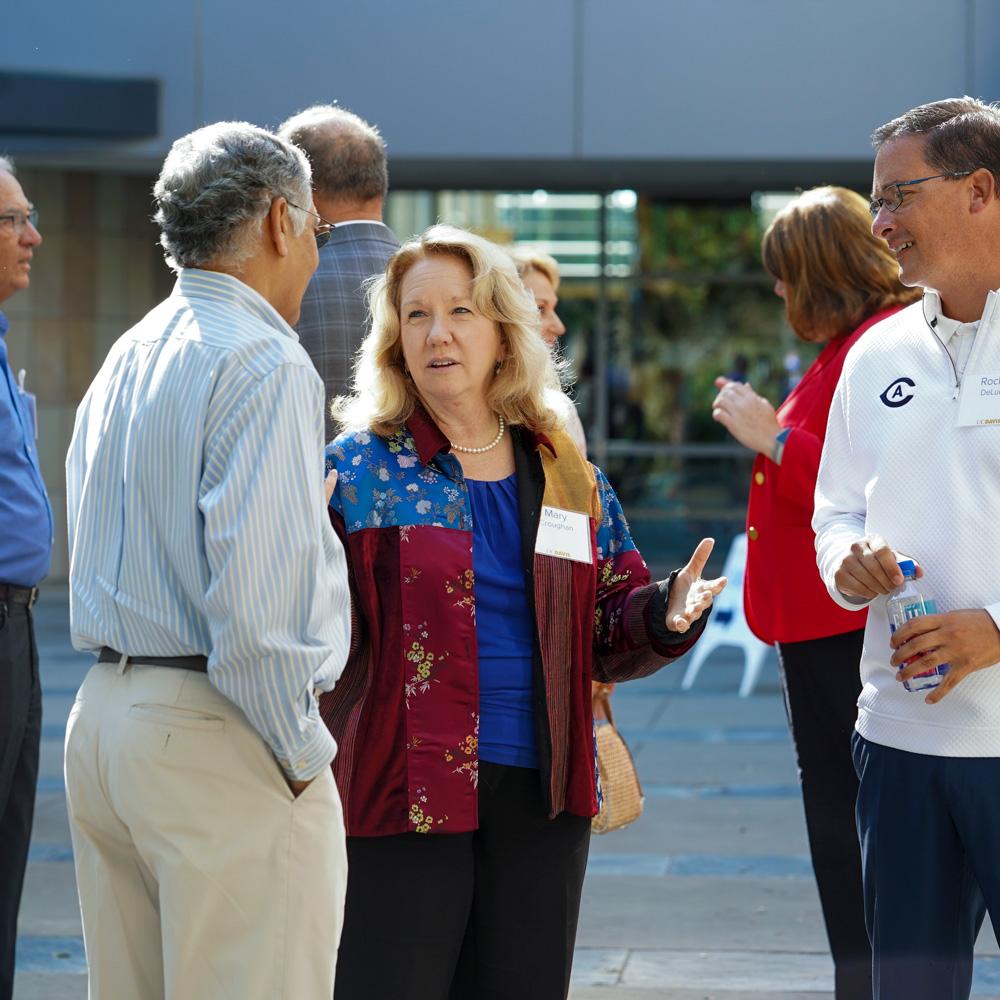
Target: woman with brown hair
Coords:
[[837, 282]]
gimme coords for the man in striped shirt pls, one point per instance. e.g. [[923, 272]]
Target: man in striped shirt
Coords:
[[206, 825]]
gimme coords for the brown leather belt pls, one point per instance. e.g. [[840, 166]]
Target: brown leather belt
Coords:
[[10, 594], [199, 664]]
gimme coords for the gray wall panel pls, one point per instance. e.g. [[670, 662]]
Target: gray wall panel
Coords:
[[759, 78], [571, 92], [985, 42], [113, 38], [441, 78]]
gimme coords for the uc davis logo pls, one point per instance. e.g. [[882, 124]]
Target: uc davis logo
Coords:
[[898, 394]]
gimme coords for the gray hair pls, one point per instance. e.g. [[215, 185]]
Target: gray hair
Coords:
[[217, 186], [961, 133], [7, 166], [347, 154]]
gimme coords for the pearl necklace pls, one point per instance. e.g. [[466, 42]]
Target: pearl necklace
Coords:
[[485, 447]]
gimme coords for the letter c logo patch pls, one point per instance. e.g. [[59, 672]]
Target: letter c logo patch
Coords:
[[898, 394]]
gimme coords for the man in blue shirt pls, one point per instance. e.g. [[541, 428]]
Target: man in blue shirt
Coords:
[[25, 549]]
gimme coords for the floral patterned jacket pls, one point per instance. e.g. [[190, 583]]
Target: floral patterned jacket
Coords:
[[405, 712]]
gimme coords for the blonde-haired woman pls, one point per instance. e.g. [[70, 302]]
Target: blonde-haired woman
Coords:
[[837, 281], [492, 576], [540, 274]]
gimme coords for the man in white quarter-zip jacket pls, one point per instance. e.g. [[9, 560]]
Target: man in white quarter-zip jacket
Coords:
[[911, 465]]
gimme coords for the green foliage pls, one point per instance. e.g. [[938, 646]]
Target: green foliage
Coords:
[[708, 239], [703, 303]]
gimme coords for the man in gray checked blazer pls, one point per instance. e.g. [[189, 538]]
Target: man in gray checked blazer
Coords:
[[350, 181]]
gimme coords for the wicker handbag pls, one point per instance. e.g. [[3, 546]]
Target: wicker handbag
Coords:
[[622, 798]]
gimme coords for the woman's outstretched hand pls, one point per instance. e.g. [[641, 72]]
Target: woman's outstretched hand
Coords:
[[690, 595]]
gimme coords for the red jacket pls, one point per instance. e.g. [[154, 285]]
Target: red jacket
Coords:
[[783, 596]]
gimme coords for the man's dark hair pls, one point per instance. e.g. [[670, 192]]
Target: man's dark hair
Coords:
[[961, 133], [347, 154]]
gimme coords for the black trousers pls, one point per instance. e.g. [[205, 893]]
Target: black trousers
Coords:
[[488, 915], [20, 732], [821, 683]]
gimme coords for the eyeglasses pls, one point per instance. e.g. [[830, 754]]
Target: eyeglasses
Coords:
[[17, 221], [893, 201], [323, 231]]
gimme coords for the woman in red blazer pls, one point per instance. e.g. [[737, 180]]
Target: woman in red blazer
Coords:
[[837, 281]]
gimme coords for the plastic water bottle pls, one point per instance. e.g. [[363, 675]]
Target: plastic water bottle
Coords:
[[909, 600]]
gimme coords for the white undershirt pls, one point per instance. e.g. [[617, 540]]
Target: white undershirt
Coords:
[[360, 222], [957, 338]]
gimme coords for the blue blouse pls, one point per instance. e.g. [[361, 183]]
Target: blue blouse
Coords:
[[504, 626]]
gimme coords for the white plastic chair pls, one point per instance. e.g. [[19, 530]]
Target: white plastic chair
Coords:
[[728, 626]]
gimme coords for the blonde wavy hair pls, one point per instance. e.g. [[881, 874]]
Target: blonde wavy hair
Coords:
[[383, 395], [836, 273], [526, 259]]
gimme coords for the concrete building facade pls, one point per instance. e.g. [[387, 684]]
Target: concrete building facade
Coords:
[[674, 99]]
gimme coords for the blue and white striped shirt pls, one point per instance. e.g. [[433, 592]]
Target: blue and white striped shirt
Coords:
[[197, 521]]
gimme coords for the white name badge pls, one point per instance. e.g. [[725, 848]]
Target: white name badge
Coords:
[[564, 534], [979, 400]]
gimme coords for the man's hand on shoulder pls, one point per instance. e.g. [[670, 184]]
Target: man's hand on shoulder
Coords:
[[969, 640], [869, 569]]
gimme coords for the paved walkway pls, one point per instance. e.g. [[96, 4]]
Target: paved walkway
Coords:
[[708, 897]]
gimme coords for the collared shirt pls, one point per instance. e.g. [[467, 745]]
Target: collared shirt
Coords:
[[197, 523], [25, 513], [365, 222], [957, 337]]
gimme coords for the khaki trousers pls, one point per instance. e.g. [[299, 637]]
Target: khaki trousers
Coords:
[[201, 877]]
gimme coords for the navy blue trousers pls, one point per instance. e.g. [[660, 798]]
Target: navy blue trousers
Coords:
[[930, 854]]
